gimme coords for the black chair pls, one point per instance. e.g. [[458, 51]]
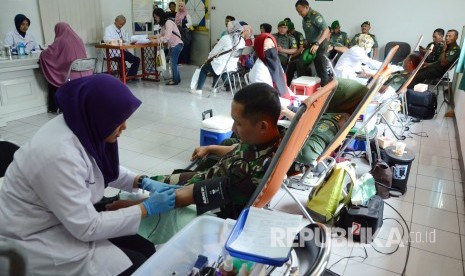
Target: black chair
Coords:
[[7, 150], [403, 51]]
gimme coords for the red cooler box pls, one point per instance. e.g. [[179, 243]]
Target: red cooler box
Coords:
[[305, 85]]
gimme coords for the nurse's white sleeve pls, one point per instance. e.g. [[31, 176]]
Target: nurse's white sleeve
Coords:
[[125, 180], [63, 185]]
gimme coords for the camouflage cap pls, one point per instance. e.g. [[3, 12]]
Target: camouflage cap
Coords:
[[366, 23], [335, 24]]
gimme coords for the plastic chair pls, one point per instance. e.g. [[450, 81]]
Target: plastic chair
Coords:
[[7, 151], [401, 54], [82, 65]]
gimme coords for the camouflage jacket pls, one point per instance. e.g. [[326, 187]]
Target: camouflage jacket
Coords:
[[245, 166]]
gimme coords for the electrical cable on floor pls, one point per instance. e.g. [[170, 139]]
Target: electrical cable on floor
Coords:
[[421, 134], [351, 257], [397, 248], [409, 240], [386, 253]]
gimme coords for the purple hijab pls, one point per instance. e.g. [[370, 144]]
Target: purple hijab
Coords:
[[56, 59], [93, 107]]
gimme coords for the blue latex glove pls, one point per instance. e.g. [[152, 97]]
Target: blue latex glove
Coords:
[[156, 186], [160, 202]]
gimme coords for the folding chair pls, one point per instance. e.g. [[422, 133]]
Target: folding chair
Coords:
[[82, 65], [324, 159], [314, 254], [401, 96], [418, 44], [233, 75], [445, 80]]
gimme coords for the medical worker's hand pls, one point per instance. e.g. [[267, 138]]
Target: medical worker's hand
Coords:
[[160, 202], [156, 186]]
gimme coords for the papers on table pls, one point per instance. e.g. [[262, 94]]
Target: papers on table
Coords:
[[267, 234], [140, 39]]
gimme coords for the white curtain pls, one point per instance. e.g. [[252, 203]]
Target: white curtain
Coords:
[[84, 16]]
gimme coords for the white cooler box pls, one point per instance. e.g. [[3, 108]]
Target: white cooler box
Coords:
[[305, 85], [215, 129]]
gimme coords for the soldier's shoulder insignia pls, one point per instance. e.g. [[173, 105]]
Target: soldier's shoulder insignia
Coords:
[[313, 13], [323, 127], [452, 52]]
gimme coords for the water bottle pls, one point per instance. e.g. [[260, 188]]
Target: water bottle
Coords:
[[21, 49]]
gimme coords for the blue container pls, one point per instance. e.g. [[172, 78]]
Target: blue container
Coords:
[[215, 129], [213, 138]]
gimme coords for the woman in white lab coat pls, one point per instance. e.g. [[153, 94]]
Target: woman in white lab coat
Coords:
[[46, 202], [20, 35], [350, 63], [219, 56]]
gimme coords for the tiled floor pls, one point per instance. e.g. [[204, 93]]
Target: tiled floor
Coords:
[[163, 132]]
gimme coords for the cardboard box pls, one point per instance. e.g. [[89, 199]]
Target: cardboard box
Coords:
[[385, 142]]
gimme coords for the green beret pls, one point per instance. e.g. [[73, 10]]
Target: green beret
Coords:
[[307, 57], [283, 23], [290, 25], [335, 25]]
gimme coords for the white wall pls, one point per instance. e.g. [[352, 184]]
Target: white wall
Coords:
[[10, 8], [30, 8], [389, 19]]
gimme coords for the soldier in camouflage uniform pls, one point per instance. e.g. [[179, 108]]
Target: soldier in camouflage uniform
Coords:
[[316, 33], [338, 37], [366, 26], [286, 44], [435, 70], [397, 79], [339, 41], [438, 42], [300, 41]]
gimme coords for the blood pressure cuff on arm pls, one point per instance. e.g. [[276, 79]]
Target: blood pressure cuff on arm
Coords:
[[211, 194]]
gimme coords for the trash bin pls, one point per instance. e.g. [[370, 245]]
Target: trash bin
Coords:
[[400, 167]]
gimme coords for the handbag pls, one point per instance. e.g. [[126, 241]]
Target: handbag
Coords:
[[362, 222], [326, 199], [161, 59], [195, 78], [421, 105], [382, 174]]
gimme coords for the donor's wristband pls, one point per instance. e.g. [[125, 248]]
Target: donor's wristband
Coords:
[[211, 194]]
